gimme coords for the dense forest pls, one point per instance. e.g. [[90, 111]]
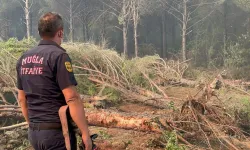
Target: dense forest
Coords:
[[212, 33]]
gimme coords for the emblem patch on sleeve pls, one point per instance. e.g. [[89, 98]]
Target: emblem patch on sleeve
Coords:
[[68, 66]]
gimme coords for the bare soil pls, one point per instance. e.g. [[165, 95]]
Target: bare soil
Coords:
[[120, 139]]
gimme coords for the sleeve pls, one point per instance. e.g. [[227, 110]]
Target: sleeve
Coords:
[[18, 71], [64, 72]]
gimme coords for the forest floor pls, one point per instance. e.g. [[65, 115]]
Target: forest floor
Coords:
[[121, 139]]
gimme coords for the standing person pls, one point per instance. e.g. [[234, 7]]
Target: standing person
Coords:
[[46, 82]]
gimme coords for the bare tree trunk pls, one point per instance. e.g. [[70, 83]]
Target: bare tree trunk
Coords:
[[184, 30], [85, 27], [173, 31], [5, 27], [86, 35], [163, 34], [136, 41], [136, 19], [124, 29], [103, 36], [27, 17], [87, 31], [225, 26], [125, 44], [248, 26], [71, 21], [31, 24], [225, 36]]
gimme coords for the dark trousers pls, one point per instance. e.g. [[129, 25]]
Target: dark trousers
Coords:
[[50, 139]]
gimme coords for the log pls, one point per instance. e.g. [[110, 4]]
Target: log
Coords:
[[9, 106], [94, 98], [113, 119], [129, 121], [182, 82], [14, 126], [10, 110], [11, 114]]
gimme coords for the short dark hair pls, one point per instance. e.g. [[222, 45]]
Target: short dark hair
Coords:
[[49, 24]]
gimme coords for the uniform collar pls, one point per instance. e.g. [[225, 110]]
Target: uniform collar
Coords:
[[50, 42]]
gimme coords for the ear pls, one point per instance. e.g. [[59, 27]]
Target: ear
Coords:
[[60, 34]]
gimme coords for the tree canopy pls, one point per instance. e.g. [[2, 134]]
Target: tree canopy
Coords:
[[204, 31]]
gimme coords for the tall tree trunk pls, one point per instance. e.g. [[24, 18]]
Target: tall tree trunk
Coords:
[[27, 17], [184, 30], [103, 36], [85, 27], [136, 19], [164, 44], [248, 26], [173, 32], [225, 26], [225, 34], [125, 44], [5, 29], [71, 21], [124, 29], [31, 24], [86, 32]]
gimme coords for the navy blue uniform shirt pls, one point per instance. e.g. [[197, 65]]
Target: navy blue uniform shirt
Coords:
[[43, 72]]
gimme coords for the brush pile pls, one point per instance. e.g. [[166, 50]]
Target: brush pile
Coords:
[[103, 74]]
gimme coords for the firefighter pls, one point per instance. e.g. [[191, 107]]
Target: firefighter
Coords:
[[46, 82]]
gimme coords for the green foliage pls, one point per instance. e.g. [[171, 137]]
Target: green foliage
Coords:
[[137, 66], [237, 58], [192, 73], [147, 49], [244, 4], [234, 56], [15, 47], [129, 72], [171, 106], [104, 135], [25, 145], [85, 86], [172, 141], [127, 143], [242, 114], [246, 106], [114, 95]]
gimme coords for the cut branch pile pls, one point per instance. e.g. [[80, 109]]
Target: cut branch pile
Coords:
[[142, 80], [139, 79], [195, 121]]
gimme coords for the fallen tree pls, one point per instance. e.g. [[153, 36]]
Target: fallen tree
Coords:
[[195, 121], [138, 79], [143, 80]]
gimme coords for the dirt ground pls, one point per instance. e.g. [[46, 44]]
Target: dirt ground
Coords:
[[120, 139]]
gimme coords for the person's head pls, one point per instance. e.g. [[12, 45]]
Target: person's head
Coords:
[[50, 27]]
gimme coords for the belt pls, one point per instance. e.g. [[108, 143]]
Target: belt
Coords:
[[45, 126]]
